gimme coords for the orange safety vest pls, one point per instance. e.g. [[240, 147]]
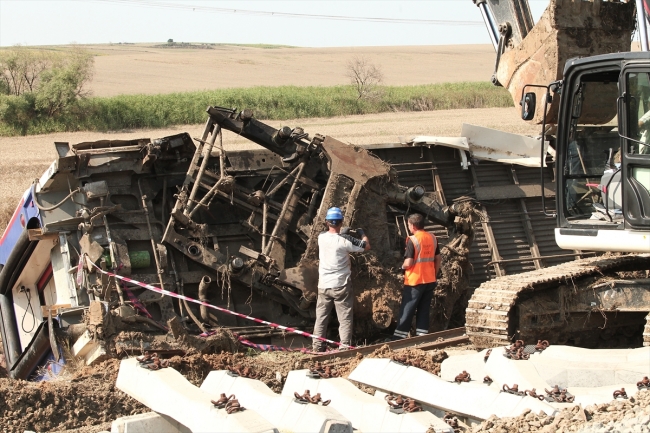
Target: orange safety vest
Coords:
[[424, 269]]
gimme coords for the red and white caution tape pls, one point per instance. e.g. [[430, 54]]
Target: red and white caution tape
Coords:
[[214, 307]]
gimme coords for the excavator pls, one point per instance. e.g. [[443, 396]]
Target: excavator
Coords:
[[574, 73]]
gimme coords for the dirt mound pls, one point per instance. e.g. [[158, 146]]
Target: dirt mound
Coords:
[[87, 398]]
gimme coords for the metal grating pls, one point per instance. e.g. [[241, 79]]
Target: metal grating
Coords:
[[517, 229]]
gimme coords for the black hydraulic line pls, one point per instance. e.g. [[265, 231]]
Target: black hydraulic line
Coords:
[[33, 354]]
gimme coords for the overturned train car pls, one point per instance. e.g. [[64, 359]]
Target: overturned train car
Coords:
[[236, 229]]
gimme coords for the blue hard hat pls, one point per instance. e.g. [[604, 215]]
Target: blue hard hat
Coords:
[[334, 213]]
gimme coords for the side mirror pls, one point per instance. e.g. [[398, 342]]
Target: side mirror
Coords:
[[528, 103]]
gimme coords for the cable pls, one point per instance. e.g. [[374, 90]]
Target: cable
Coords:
[[211, 9], [56, 205], [29, 307]]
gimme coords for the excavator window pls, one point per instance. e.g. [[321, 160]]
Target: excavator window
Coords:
[[593, 142], [638, 104], [636, 160]]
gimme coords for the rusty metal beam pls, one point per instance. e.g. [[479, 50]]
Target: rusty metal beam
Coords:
[[435, 340]]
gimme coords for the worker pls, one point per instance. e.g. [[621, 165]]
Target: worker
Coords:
[[421, 264], [334, 288]]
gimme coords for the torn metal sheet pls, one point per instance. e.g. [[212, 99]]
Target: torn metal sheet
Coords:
[[490, 145]]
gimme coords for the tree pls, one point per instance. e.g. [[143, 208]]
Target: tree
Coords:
[[62, 85], [42, 83], [365, 76]]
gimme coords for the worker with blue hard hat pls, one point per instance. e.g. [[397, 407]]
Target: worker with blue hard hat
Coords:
[[334, 288]]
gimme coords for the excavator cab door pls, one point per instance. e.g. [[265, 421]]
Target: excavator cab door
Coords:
[[603, 162], [635, 150]]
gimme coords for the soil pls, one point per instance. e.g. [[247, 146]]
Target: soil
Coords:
[[574, 418], [86, 398]]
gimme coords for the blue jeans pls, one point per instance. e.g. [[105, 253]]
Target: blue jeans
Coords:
[[415, 300]]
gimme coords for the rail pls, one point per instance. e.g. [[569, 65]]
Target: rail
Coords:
[[435, 340]]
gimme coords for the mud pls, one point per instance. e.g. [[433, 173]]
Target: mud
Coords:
[[378, 293]]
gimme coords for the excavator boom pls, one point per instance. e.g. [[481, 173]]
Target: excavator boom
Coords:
[[536, 54]]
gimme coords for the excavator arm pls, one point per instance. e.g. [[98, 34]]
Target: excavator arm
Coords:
[[535, 53]]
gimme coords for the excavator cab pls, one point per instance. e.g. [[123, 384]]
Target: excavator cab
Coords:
[[598, 102], [603, 154]]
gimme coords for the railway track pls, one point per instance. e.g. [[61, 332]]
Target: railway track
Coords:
[[435, 340]]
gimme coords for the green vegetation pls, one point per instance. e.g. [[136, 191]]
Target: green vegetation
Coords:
[[39, 87], [277, 103]]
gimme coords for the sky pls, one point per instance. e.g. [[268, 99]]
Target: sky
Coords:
[[301, 23]]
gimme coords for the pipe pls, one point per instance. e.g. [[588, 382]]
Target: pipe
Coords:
[[285, 180], [207, 198], [32, 356], [265, 208], [280, 221], [222, 155], [489, 24], [643, 27], [204, 164], [189, 311], [199, 151], [177, 283], [154, 247], [203, 297], [59, 204]]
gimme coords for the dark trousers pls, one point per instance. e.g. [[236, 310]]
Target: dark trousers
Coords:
[[415, 300]]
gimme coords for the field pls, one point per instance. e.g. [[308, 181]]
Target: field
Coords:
[[128, 69], [125, 69]]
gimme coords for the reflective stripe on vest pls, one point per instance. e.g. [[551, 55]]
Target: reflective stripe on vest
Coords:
[[421, 272]]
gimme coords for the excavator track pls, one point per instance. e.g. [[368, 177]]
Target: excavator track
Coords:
[[490, 317]]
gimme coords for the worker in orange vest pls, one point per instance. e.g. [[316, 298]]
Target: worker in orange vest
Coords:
[[421, 264]]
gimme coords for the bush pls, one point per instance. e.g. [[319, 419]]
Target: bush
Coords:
[[17, 112], [40, 86], [277, 103], [63, 84]]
